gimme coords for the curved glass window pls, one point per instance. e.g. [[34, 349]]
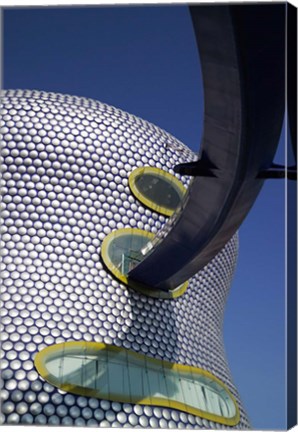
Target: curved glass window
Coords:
[[157, 189], [123, 249], [117, 374]]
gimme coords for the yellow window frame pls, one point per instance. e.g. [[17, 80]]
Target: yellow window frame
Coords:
[[159, 173], [142, 288]]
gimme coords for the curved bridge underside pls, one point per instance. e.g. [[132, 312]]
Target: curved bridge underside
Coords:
[[242, 56]]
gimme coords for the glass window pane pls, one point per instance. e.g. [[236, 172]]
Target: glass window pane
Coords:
[[157, 189], [119, 374], [125, 251]]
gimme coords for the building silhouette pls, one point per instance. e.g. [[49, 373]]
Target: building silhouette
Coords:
[[66, 167]]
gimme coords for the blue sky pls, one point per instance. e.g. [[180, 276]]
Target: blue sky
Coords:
[[144, 60]]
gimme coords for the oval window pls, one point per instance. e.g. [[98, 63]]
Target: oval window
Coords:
[[118, 374], [157, 189], [123, 249]]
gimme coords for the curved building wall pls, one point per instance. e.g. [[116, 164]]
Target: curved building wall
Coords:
[[65, 164]]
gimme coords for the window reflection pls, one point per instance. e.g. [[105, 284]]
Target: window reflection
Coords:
[[109, 372], [124, 249], [157, 189]]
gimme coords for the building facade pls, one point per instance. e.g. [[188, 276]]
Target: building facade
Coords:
[[74, 173]]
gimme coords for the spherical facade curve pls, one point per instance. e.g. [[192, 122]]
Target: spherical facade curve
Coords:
[[66, 163]]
